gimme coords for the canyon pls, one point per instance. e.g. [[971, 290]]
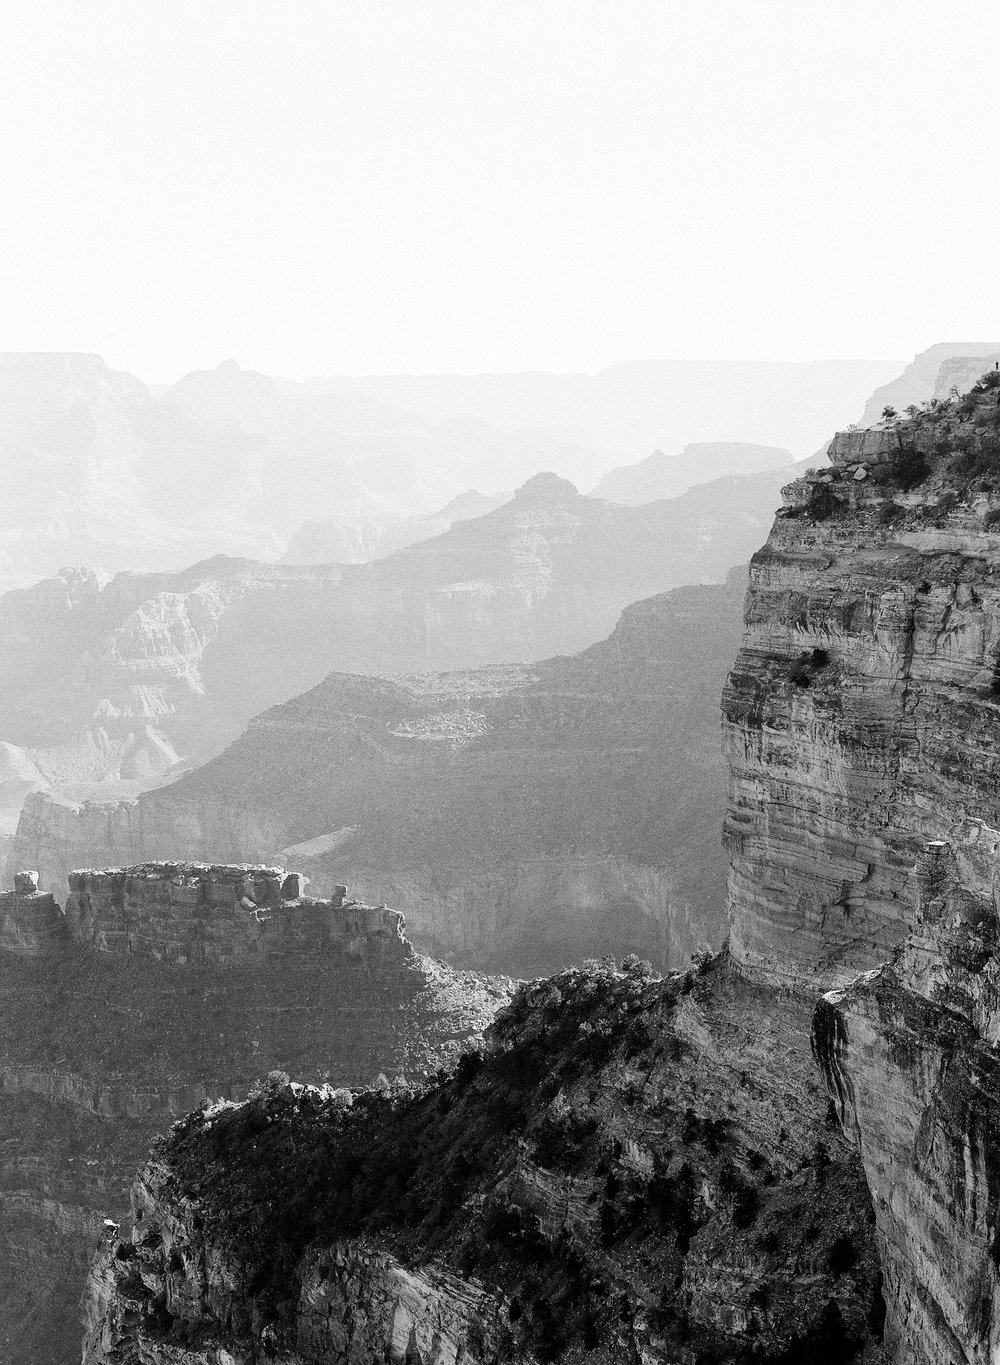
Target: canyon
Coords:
[[522, 817], [162, 986], [130, 680], [787, 1151]]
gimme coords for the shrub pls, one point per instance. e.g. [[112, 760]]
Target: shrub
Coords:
[[890, 513], [799, 672], [842, 1256], [560, 1139], [945, 504], [909, 468], [745, 1207], [609, 1224], [823, 503]]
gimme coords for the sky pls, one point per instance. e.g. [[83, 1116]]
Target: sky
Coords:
[[381, 186]]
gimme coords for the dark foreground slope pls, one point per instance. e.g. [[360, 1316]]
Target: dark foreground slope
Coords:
[[523, 818], [156, 991], [620, 1177]]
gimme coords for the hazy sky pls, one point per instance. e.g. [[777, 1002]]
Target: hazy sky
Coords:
[[445, 184]]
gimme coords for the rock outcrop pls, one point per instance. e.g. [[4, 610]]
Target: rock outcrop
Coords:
[[521, 818], [163, 987], [192, 912], [32, 923], [836, 1206]]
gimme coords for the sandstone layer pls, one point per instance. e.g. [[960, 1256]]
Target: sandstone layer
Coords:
[[160, 988], [521, 818], [864, 825]]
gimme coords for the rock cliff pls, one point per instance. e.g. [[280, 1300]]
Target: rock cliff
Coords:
[[161, 987], [670, 1175], [521, 818], [862, 724]]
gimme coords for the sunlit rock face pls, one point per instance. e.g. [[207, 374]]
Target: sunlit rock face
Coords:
[[909, 1051], [863, 729], [858, 721]]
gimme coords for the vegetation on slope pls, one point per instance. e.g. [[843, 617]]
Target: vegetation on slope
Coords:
[[567, 1168], [948, 461]]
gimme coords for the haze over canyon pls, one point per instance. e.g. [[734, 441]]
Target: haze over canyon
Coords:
[[367, 819]]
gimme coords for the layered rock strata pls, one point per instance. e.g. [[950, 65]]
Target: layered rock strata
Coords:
[[192, 912], [161, 987], [32, 923], [863, 723]]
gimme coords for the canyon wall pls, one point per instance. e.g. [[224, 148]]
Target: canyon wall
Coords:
[[863, 727]]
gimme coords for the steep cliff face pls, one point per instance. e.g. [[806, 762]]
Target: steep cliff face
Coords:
[[521, 818], [862, 724], [160, 988]]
